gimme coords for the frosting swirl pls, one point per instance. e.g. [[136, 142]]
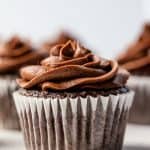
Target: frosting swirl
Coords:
[[138, 54], [72, 66], [16, 53]]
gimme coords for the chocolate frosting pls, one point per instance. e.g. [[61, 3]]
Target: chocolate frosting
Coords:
[[72, 66], [16, 53], [137, 55]]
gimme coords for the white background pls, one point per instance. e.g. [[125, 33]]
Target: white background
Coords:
[[106, 25]]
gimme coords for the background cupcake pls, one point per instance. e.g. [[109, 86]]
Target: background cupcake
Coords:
[[14, 53], [73, 100], [137, 60]]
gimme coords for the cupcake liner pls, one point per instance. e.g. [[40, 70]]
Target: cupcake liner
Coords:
[[89, 123], [140, 111], [8, 114]]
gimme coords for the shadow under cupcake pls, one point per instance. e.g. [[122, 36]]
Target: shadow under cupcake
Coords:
[[14, 53], [73, 100], [137, 61]]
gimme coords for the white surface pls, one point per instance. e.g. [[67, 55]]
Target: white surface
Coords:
[[137, 138], [11, 140], [106, 25], [138, 135]]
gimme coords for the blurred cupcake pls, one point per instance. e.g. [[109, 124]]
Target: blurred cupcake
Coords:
[[137, 61], [61, 38], [73, 100], [14, 53]]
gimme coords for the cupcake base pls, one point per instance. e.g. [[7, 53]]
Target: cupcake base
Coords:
[[72, 121], [8, 113], [140, 111]]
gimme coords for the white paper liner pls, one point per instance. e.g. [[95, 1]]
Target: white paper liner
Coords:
[[90, 123], [8, 114], [140, 111]]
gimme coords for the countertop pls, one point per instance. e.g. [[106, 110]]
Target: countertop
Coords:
[[137, 138]]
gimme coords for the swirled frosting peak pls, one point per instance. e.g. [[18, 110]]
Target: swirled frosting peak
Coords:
[[137, 56], [61, 38], [72, 66], [15, 53]]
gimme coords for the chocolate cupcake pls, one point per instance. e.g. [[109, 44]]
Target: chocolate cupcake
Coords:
[[14, 53], [73, 100], [137, 61]]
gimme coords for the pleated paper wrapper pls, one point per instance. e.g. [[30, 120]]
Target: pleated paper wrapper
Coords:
[[8, 113], [90, 123], [140, 111]]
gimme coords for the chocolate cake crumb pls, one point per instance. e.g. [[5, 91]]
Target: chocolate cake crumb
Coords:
[[73, 94]]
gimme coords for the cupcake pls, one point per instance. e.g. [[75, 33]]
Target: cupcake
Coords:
[[61, 38], [14, 53], [137, 61], [73, 100]]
